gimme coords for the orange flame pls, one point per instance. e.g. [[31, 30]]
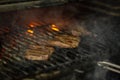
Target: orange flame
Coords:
[[33, 24], [54, 27], [30, 31]]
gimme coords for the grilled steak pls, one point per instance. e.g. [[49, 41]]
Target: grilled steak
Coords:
[[65, 41], [36, 52]]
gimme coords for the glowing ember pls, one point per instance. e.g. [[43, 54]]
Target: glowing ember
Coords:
[[30, 31], [31, 25], [54, 27]]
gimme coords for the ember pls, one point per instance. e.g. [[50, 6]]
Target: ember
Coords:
[[54, 27], [33, 24], [30, 31]]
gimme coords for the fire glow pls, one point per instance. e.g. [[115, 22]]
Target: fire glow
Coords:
[[30, 31], [54, 27], [33, 24]]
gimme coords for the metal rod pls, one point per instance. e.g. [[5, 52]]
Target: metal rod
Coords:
[[110, 66], [29, 4]]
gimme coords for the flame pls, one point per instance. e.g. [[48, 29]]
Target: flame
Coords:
[[30, 31], [54, 27], [33, 24]]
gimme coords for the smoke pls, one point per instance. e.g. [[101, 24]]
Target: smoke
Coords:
[[63, 16], [99, 29], [105, 36], [57, 15]]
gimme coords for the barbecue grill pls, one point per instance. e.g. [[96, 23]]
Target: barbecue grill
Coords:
[[98, 22]]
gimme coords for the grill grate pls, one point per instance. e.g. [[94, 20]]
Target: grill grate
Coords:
[[15, 66]]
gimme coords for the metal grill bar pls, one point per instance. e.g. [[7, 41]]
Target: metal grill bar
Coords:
[[15, 66]]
